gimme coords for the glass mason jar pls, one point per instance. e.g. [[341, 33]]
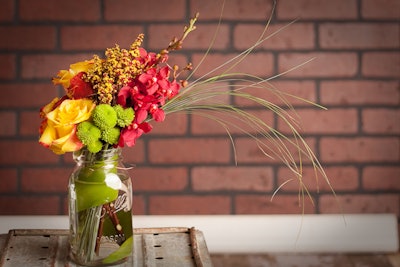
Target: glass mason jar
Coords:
[[100, 204]]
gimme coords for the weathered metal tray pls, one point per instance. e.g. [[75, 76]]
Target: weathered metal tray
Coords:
[[177, 246]]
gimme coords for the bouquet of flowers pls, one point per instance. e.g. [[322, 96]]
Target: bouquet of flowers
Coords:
[[110, 102]]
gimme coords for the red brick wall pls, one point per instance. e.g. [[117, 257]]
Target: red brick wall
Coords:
[[186, 166]]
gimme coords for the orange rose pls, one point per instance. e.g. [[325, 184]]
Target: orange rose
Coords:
[[59, 127]]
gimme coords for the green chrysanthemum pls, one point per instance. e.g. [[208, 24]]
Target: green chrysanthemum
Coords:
[[104, 116], [95, 146], [110, 136], [88, 133], [125, 116]]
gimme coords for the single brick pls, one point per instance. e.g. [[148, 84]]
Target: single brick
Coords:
[[161, 34], [45, 179], [298, 36], [53, 10], [29, 95], [317, 9], [7, 10], [232, 179], [281, 93], [175, 124], [28, 38], [29, 122], [257, 63], [159, 179], [248, 151], [29, 205], [199, 150], [10, 127], [280, 204], [9, 181], [33, 153], [359, 149], [138, 205], [381, 64], [204, 125], [339, 179], [359, 35], [359, 92], [381, 121], [380, 9], [189, 204], [152, 10], [232, 10], [134, 155], [350, 203], [381, 178], [322, 64], [98, 37], [8, 66], [323, 121]]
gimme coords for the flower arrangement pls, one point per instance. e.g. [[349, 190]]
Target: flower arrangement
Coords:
[[109, 103]]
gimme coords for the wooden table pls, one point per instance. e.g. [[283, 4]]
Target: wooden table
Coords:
[[168, 246]]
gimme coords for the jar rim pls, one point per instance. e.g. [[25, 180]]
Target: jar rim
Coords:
[[84, 155]]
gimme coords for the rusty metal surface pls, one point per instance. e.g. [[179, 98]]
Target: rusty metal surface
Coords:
[[153, 247]]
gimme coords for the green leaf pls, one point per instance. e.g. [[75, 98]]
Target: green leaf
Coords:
[[92, 188], [124, 251], [90, 194]]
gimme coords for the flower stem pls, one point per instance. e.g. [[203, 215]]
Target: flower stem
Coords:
[[100, 230], [89, 235]]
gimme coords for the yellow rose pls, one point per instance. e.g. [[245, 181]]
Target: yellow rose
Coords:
[[59, 129], [64, 76]]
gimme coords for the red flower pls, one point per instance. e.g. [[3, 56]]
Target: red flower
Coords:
[[173, 89], [150, 59], [78, 88], [132, 132], [124, 96], [152, 81], [157, 113], [146, 95]]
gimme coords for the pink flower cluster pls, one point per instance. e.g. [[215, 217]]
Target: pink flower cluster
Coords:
[[146, 94]]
